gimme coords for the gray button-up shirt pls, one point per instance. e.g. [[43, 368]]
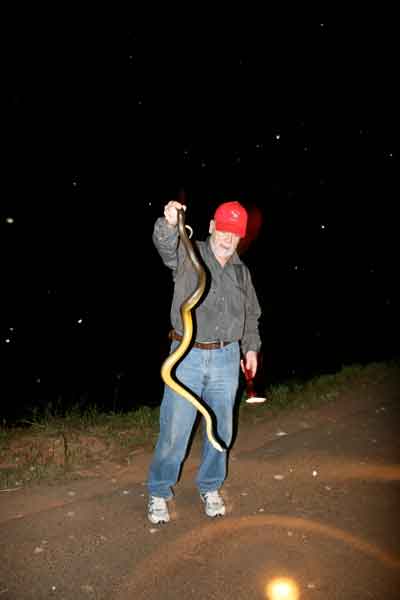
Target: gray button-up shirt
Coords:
[[229, 309]]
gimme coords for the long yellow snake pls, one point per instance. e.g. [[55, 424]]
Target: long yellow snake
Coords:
[[187, 321]]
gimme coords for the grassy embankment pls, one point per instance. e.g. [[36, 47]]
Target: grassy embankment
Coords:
[[49, 447]]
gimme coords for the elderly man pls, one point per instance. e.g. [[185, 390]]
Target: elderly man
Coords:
[[226, 337]]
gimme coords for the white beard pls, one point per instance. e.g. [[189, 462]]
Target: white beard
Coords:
[[222, 253]]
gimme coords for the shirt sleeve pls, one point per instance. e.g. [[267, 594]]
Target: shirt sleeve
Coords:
[[165, 239], [251, 336]]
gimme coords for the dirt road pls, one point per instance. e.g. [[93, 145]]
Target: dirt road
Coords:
[[312, 496]]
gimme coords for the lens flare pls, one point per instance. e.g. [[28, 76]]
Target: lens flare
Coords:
[[282, 589]]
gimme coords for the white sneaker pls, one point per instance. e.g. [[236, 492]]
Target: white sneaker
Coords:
[[157, 510], [214, 504]]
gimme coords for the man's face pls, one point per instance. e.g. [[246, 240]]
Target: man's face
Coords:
[[223, 243]]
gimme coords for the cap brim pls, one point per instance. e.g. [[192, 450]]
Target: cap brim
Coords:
[[230, 228]]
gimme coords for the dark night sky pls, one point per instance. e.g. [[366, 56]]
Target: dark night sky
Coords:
[[104, 124]]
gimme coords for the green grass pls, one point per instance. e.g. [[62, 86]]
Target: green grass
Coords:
[[48, 445], [323, 388]]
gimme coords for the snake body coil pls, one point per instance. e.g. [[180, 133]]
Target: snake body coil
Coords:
[[187, 321]]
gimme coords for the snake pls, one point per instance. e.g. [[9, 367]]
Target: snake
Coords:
[[187, 321]]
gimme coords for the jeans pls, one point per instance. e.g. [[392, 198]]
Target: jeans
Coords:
[[212, 376]]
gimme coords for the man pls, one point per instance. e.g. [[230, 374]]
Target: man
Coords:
[[226, 327]]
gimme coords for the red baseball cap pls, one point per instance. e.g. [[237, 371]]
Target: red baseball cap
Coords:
[[232, 217]]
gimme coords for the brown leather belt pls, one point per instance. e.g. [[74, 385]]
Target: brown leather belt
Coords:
[[173, 335]]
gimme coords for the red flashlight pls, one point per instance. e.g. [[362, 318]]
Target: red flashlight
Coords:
[[251, 395]]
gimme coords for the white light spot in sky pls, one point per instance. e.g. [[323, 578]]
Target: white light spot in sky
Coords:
[[9, 220]]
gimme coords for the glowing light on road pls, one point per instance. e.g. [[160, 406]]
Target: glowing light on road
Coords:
[[282, 589]]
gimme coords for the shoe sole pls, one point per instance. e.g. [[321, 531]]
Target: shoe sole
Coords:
[[219, 514], [157, 521]]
